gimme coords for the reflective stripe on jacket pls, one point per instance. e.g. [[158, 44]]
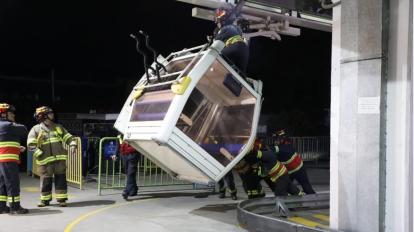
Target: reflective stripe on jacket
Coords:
[[294, 163], [11, 136], [9, 152], [287, 155], [233, 40], [273, 167], [48, 143]]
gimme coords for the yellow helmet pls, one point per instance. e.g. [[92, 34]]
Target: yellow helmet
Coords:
[[42, 112]]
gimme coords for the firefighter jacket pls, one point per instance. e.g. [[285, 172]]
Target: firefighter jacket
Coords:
[[47, 143], [288, 156], [267, 164], [124, 147], [11, 135], [242, 167], [230, 34]]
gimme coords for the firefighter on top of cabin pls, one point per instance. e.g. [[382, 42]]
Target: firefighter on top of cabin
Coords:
[[291, 159], [11, 136], [46, 139], [236, 49]]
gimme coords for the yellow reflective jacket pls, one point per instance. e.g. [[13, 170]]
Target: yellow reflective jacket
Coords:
[[47, 143]]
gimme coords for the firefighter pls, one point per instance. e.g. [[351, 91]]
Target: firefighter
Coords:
[[292, 160], [11, 135], [269, 167], [130, 158], [229, 179], [46, 140], [236, 49], [250, 180]]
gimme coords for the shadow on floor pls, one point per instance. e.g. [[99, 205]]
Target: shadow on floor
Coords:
[[178, 194], [217, 208], [216, 212], [90, 203], [37, 212]]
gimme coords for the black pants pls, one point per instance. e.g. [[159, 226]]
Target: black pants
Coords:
[[53, 172], [229, 179], [9, 185], [302, 177], [252, 185], [131, 168], [238, 54], [283, 186]]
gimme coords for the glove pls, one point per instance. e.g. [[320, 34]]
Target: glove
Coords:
[[72, 149]]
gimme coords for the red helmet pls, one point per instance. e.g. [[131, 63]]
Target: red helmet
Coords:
[[41, 113], [4, 108], [225, 15]]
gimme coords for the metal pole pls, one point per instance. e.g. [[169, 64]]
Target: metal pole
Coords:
[[100, 167], [53, 85]]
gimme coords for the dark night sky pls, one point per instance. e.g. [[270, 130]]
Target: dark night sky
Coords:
[[87, 41]]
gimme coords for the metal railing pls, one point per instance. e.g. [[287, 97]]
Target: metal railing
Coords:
[[74, 165], [112, 176], [310, 148]]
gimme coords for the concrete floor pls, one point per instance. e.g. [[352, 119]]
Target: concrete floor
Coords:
[[156, 212]]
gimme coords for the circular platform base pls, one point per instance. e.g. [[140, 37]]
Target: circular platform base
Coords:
[[258, 215]]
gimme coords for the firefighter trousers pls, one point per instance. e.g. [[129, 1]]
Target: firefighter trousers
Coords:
[[237, 54], [9, 185], [251, 184], [302, 177], [229, 179], [284, 186], [53, 172], [131, 169]]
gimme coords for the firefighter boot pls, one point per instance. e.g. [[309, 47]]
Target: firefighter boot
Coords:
[[125, 196], [43, 203], [234, 196], [222, 194], [4, 208], [62, 203], [16, 208]]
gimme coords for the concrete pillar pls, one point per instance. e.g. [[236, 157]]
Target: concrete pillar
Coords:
[[399, 123], [372, 116], [356, 121], [335, 103]]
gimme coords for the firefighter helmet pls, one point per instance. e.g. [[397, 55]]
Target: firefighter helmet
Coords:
[[280, 133], [4, 108], [41, 113], [225, 15], [257, 144]]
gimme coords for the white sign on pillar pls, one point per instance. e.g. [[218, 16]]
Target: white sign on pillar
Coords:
[[369, 105]]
